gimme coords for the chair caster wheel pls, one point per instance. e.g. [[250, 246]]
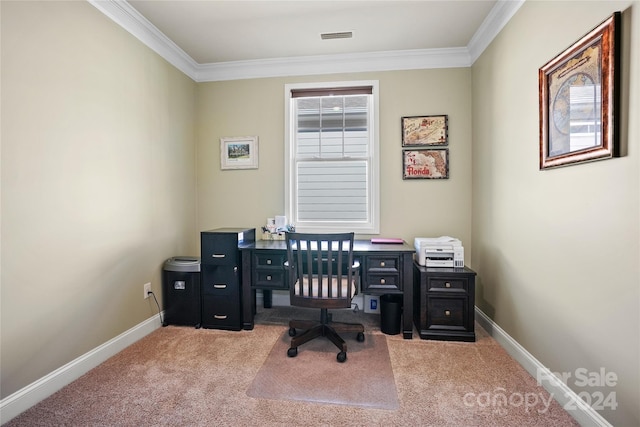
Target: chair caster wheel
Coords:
[[292, 332], [360, 336], [292, 352], [342, 357]]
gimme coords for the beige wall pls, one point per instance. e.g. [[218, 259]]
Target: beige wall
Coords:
[[408, 208], [557, 251], [98, 182]]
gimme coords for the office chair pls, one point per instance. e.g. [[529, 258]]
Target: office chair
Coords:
[[322, 274]]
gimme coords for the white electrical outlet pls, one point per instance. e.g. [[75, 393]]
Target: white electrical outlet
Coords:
[[147, 289]]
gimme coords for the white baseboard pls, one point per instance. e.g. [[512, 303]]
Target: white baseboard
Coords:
[[584, 414], [18, 402]]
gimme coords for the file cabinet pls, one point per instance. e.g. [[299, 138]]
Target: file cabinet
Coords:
[[221, 276], [444, 303]]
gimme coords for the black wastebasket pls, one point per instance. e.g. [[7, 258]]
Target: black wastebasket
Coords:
[[390, 313], [181, 291]]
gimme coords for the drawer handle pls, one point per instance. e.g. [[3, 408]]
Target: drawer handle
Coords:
[[383, 281], [447, 285], [221, 286], [381, 263], [219, 316], [218, 256], [447, 313], [268, 262]]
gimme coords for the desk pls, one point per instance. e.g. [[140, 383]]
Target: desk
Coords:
[[386, 269]]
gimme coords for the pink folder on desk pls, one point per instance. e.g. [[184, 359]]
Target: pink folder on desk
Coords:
[[393, 240]]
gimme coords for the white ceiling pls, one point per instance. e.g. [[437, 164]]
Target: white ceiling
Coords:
[[227, 39]]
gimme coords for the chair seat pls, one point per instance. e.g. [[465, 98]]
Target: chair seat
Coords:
[[324, 289]]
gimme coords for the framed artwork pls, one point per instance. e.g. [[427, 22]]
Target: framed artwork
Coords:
[[578, 96], [239, 152], [424, 130], [425, 163]]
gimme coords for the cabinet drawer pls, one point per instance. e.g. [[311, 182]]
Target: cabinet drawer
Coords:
[[447, 313], [269, 260], [382, 282], [219, 280], [384, 262], [447, 284], [270, 279], [221, 312], [219, 249]]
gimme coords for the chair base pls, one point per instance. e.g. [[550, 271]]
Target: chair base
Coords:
[[323, 328]]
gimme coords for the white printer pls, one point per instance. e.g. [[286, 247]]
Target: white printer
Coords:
[[441, 251]]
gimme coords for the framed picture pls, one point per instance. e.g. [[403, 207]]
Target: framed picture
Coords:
[[425, 164], [578, 95], [239, 152], [424, 130]]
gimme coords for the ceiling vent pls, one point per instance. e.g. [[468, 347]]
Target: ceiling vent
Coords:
[[339, 35]]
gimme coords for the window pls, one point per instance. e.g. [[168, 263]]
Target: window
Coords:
[[331, 157]]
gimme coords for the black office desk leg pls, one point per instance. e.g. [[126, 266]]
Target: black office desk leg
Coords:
[[407, 309]]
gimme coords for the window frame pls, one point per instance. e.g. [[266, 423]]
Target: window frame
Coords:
[[372, 226]]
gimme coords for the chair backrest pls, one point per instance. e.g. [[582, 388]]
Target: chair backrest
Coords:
[[321, 269]]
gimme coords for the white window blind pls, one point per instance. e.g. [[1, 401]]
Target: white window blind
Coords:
[[331, 180]]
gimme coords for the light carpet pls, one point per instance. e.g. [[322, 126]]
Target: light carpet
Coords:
[[365, 379], [180, 376]]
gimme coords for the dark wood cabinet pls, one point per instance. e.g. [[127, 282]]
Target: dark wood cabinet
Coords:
[[444, 303], [221, 276], [382, 274], [269, 271], [268, 274]]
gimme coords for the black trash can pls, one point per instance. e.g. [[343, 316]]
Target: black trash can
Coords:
[[181, 291], [390, 313]]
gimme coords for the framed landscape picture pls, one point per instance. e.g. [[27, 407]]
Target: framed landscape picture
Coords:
[[239, 152], [424, 130], [425, 164]]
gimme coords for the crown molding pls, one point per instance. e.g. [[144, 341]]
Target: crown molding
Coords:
[[123, 14], [131, 20], [332, 64], [498, 17]]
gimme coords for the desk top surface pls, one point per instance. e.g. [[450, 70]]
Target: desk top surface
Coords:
[[358, 246]]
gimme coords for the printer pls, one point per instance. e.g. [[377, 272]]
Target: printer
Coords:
[[441, 251]]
